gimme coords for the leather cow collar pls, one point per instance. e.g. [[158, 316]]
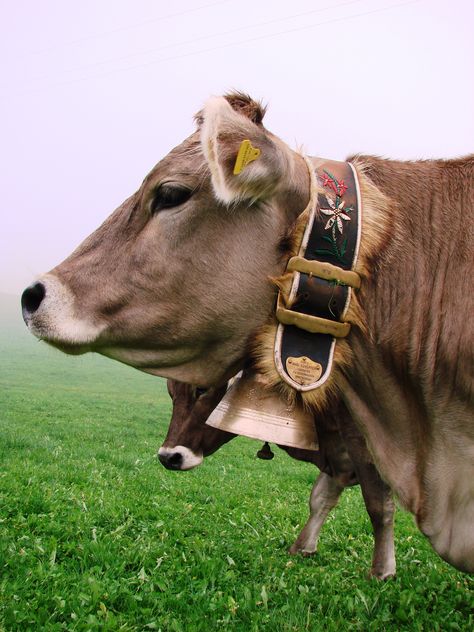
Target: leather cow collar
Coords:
[[311, 315]]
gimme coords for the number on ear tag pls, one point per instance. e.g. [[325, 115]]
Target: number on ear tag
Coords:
[[246, 154]]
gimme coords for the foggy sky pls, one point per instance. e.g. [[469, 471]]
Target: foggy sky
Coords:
[[95, 93]]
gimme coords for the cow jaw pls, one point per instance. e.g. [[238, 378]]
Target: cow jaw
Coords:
[[184, 365]]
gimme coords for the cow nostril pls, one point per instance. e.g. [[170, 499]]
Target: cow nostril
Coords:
[[32, 298], [171, 461]]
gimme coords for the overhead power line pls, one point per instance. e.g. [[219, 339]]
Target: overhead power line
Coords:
[[214, 35], [228, 45], [130, 27]]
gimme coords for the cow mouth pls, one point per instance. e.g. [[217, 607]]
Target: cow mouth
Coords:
[[68, 348], [66, 344]]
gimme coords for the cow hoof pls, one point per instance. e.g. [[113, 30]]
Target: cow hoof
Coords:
[[381, 575], [296, 550]]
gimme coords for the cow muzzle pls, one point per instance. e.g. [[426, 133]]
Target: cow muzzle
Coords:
[[179, 458], [52, 313]]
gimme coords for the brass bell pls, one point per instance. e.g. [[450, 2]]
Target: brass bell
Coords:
[[251, 409]]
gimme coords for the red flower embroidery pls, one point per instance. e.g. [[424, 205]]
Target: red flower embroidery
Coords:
[[328, 182], [342, 187], [338, 186]]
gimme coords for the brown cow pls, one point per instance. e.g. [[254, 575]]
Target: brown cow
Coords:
[[189, 439], [177, 282]]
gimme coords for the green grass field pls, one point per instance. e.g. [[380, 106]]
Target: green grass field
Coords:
[[96, 535]]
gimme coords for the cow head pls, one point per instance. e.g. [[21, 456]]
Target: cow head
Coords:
[[177, 279], [189, 439]]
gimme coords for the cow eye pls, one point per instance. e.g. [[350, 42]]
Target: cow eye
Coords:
[[169, 196], [200, 391]]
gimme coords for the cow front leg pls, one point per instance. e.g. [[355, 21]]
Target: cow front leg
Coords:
[[324, 496], [381, 508]]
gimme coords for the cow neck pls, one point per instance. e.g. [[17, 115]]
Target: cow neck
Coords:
[[299, 348]]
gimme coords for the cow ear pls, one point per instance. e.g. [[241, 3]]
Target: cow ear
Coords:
[[246, 161]]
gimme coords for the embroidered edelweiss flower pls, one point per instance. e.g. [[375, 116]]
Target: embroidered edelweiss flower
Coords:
[[336, 214]]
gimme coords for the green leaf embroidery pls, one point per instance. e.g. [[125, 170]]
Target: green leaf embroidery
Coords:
[[323, 251], [343, 247]]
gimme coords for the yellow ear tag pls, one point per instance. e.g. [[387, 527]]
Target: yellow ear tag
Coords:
[[246, 154]]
